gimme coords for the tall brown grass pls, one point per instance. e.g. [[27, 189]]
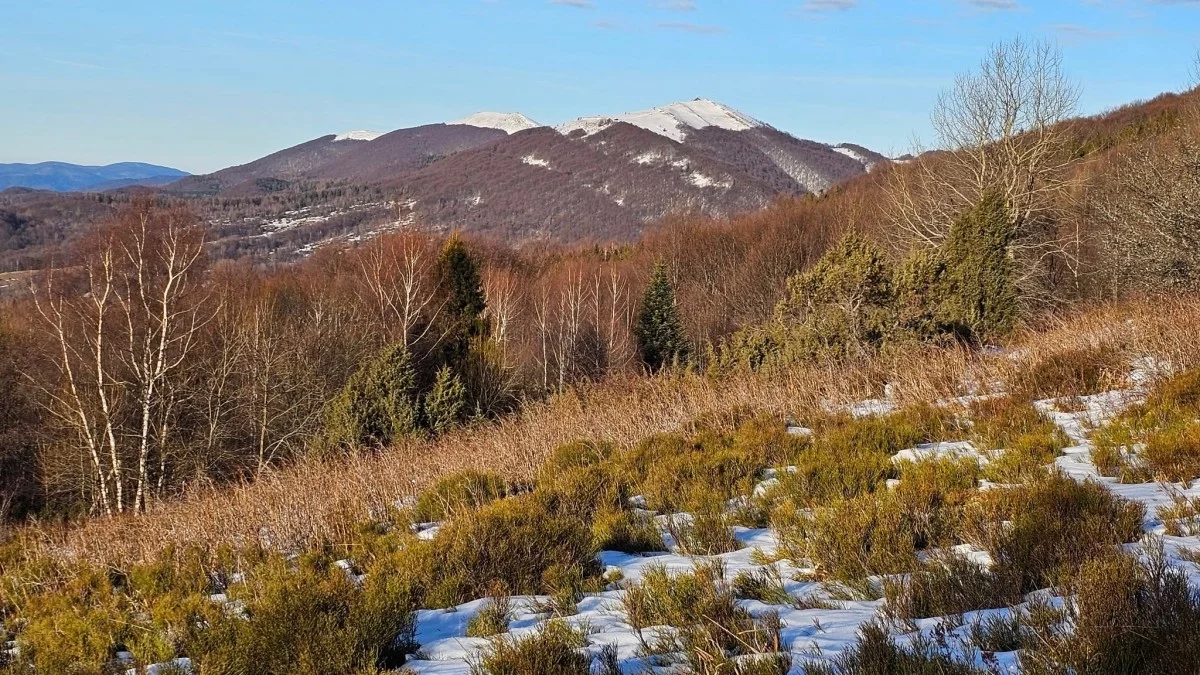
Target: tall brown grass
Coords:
[[316, 502]]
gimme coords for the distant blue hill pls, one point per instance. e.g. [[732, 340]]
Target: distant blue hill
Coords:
[[63, 177]]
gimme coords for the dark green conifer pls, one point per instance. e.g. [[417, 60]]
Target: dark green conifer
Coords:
[[980, 293], [659, 332]]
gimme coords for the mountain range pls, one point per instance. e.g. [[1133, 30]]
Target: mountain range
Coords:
[[503, 174], [64, 177]]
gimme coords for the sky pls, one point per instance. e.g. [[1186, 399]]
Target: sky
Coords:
[[204, 84]]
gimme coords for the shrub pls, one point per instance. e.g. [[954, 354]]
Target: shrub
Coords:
[[933, 493], [706, 532], [1072, 372], [851, 539], [311, 619], [458, 492], [1043, 530], [979, 290], [580, 491], [1019, 440], [377, 405], [947, 585], [876, 653], [627, 532], [512, 541], [553, 650], [675, 472], [77, 628], [764, 584], [575, 455], [1159, 438], [494, 616], [712, 630], [1127, 617], [852, 457]]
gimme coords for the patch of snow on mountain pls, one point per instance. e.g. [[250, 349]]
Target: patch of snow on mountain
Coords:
[[857, 156], [360, 135], [648, 158], [534, 161], [702, 181], [671, 121], [509, 123]]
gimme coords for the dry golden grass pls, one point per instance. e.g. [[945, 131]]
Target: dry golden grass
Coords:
[[315, 502]]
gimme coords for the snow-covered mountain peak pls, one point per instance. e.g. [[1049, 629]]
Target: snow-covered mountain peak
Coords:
[[360, 135], [672, 121], [509, 123]]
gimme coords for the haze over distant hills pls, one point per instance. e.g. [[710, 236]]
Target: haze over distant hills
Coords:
[[63, 177]]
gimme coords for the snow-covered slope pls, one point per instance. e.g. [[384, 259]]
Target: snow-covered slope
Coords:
[[509, 123], [361, 135], [672, 121]]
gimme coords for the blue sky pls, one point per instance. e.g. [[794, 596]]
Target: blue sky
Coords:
[[205, 84]]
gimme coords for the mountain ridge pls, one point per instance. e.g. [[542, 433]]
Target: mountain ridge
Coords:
[[68, 177]]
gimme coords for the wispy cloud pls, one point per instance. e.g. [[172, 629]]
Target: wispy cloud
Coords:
[[606, 25], [688, 27], [578, 4], [1076, 31], [675, 5], [828, 5]]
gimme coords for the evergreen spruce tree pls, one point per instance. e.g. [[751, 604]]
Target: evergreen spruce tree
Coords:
[[377, 405], [658, 330], [445, 401], [459, 275], [980, 295]]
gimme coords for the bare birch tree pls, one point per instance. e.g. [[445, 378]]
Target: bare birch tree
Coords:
[[123, 332]]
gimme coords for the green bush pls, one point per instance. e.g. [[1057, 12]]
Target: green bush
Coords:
[[627, 532], [1128, 616], [978, 294], [377, 405], [513, 541], [706, 532], [1158, 439], [764, 584], [580, 491], [949, 585], [458, 492], [313, 619], [876, 653], [555, 649], [493, 618], [853, 538], [1018, 439], [1041, 531], [852, 457], [78, 628], [678, 473], [713, 631], [443, 406]]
